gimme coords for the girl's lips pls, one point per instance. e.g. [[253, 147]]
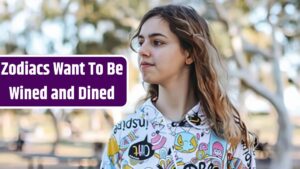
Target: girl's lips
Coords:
[[145, 65]]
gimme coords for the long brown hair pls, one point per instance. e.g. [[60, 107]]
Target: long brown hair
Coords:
[[193, 33]]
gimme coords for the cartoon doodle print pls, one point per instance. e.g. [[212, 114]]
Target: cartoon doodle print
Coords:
[[165, 159], [107, 165], [125, 165], [141, 150], [200, 165], [158, 140], [236, 163], [158, 124], [185, 142], [218, 150], [125, 141], [201, 153], [217, 146], [179, 161], [247, 154], [182, 123], [131, 123], [195, 119], [113, 149], [209, 162], [136, 150], [204, 131], [148, 112]]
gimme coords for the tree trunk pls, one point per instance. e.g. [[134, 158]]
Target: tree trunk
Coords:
[[55, 125], [282, 157]]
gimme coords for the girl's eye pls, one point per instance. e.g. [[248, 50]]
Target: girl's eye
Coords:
[[157, 43], [140, 42]]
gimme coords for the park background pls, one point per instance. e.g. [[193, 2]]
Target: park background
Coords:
[[260, 46]]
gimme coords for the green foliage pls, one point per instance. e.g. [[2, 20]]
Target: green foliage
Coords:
[[243, 5], [121, 13]]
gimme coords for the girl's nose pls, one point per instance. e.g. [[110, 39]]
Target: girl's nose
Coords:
[[144, 50]]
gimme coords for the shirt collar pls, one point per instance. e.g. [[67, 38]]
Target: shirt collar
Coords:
[[194, 117]]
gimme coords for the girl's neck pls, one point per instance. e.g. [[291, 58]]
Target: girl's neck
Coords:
[[174, 101]]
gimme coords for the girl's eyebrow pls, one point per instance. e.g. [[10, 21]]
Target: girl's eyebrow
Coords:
[[153, 35]]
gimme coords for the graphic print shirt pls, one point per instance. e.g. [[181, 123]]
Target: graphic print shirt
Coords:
[[147, 140]]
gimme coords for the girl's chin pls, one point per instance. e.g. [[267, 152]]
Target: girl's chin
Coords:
[[149, 81]]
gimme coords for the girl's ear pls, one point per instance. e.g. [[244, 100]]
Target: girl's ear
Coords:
[[188, 58]]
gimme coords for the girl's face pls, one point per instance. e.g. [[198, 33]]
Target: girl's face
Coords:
[[161, 59]]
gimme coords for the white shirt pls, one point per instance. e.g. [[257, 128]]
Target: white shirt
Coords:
[[147, 140]]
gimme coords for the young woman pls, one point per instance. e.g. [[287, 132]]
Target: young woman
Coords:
[[187, 120]]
